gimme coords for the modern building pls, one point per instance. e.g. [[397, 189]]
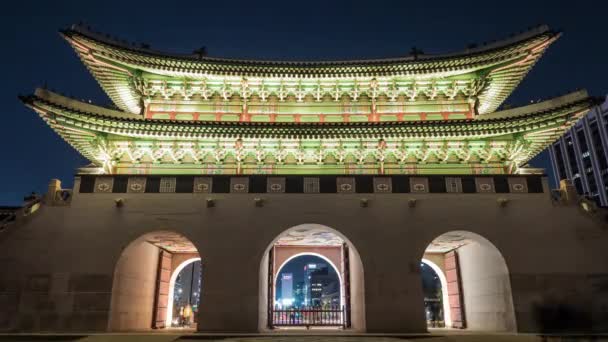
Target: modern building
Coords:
[[581, 155], [317, 278], [374, 166], [287, 295], [312, 287]]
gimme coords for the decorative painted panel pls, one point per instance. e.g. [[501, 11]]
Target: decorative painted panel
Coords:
[[104, 184], [419, 185], [239, 185], [136, 184], [518, 184], [203, 184], [345, 185], [484, 184], [275, 184], [383, 184]]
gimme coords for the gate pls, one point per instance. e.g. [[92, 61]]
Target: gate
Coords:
[[310, 317]]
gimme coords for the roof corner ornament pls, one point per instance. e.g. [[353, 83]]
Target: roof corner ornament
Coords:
[[200, 52], [415, 53]]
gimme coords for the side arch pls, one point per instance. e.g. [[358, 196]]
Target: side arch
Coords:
[[140, 283], [479, 283]]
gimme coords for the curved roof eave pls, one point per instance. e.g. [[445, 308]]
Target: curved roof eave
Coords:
[[115, 77]]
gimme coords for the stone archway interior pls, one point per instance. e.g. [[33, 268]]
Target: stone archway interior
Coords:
[[478, 281], [312, 242], [140, 288]]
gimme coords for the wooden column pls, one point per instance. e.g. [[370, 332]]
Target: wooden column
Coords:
[[163, 277], [452, 274]]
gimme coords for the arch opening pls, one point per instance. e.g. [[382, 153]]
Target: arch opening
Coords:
[[471, 282], [156, 284], [326, 262], [184, 294], [436, 299], [308, 280]]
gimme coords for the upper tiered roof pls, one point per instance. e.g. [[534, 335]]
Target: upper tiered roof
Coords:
[[485, 75]]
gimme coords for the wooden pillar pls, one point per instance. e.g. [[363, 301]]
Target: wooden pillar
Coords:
[[163, 277], [452, 274]]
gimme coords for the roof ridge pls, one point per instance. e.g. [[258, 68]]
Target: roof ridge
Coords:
[[485, 47]]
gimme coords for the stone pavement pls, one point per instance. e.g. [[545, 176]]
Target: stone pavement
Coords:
[[291, 337]]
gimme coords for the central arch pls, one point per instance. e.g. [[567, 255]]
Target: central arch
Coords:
[[310, 238]]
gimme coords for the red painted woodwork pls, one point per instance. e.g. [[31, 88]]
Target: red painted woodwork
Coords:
[[452, 274], [163, 277]]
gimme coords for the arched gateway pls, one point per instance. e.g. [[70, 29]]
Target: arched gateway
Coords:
[[474, 281], [321, 251], [385, 149], [156, 284]]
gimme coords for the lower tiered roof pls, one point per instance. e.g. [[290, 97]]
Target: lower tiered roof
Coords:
[[119, 140]]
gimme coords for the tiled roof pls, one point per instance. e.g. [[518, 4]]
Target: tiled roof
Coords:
[[502, 65], [81, 125]]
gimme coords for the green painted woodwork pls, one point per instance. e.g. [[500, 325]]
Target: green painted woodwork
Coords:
[[486, 75]]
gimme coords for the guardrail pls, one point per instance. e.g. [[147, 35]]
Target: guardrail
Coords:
[[309, 317]]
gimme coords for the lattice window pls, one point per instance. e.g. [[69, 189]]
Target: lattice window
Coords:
[[311, 185], [453, 184], [167, 184]]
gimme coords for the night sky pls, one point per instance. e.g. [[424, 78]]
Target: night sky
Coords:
[[33, 53]]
